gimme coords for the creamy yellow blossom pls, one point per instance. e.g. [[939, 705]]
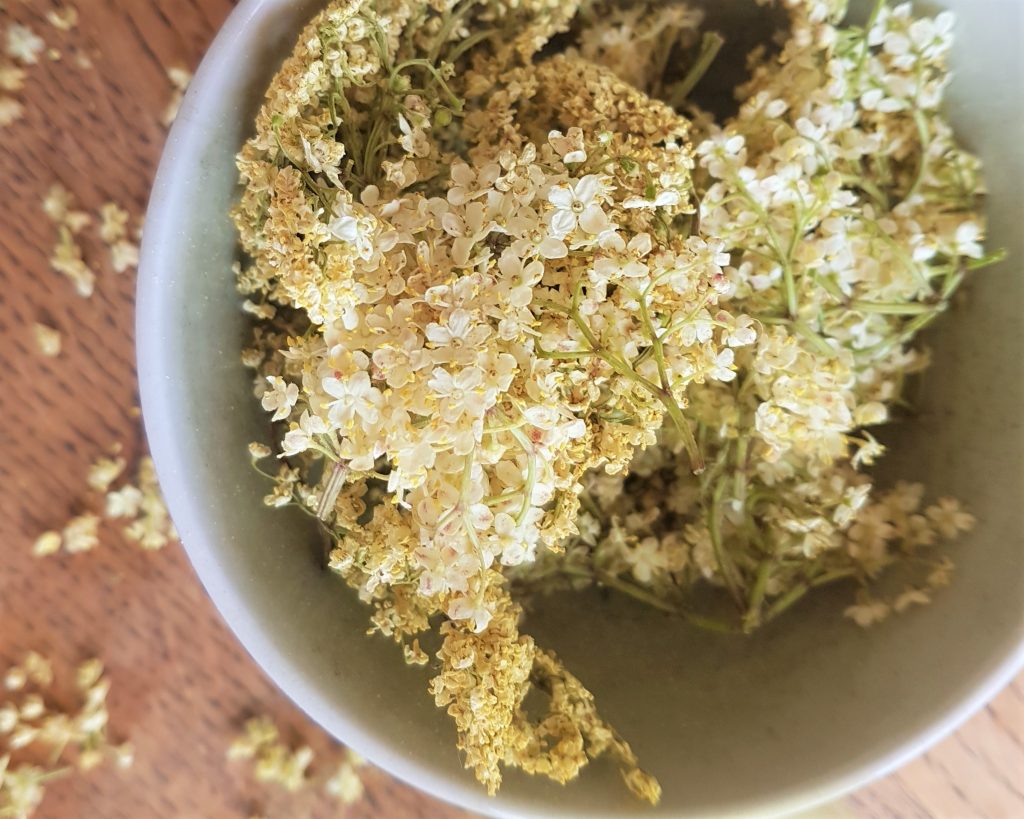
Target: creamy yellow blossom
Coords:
[[32, 730], [493, 284], [10, 111], [23, 44], [63, 18], [47, 339], [180, 79]]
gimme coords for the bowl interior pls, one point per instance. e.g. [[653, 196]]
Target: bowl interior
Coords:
[[767, 724]]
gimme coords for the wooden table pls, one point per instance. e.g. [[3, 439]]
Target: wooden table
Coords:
[[181, 685]]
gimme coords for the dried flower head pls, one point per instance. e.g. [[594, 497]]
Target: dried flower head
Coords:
[[23, 44], [46, 544], [345, 785], [180, 79], [32, 729], [273, 761], [47, 339], [10, 111], [104, 472], [124, 253], [139, 505], [81, 534], [12, 78], [63, 18]]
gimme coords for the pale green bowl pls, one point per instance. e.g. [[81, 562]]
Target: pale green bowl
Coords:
[[797, 715]]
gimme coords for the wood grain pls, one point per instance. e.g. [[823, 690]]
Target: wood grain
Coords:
[[181, 685]]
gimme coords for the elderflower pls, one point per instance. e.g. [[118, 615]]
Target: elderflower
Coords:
[[180, 79], [67, 260], [124, 254], [81, 534], [12, 78], [949, 518], [48, 543], [829, 271], [149, 523], [533, 328], [272, 760], [104, 472], [31, 728], [280, 398], [23, 44], [345, 785], [67, 254], [10, 111], [48, 340], [58, 205], [63, 18], [124, 502], [868, 612], [139, 505]]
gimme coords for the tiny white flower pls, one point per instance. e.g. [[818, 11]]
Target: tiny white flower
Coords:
[[578, 205], [124, 502], [81, 534], [354, 396], [472, 609], [910, 597], [280, 398], [663, 199], [968, 240], [949, 518], [301, 436], [867, 613], [646, 559], [23, 44]]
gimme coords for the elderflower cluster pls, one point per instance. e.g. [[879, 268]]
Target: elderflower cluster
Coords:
[[512, 325], [47, 339], [180, 79], [274, 762], [124, 253], [850, 216], [67, 254], [67, 258], [139, 506], [31, 728]]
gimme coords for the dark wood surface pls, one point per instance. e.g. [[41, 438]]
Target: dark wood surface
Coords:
[[181, 684]]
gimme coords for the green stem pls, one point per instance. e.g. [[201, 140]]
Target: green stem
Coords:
[[894, 308], [562, 355], [814, 339], [725, 563], [618, 584], [671, 405], [710, 45], [739, 486], [454, 16], [776, 245], [531, 474], [913, 327], [432, 70], [470, 42], [994, 257], [753, 616], [797, 592], [663, 395], [332, 488], [922, 168], [870, 188]]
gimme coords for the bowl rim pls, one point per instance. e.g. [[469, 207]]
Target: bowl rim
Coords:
[[157, 398]]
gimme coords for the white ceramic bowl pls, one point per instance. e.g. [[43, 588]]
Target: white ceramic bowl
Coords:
[[797, 715]]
